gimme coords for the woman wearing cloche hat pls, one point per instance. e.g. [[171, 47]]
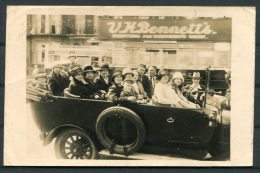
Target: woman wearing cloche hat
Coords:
[[58, 80], [116, 89], [176, 84], [78, 85]]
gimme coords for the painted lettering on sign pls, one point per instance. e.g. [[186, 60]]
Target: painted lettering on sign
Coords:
[[176, 29], [143, 27]]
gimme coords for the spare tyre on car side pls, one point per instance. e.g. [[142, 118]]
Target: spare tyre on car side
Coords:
[[120, 130]]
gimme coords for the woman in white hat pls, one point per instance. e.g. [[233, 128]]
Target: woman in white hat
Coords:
[[176, 84], [163, 94]]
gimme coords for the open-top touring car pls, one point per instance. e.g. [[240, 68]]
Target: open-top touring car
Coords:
[[83, 127]]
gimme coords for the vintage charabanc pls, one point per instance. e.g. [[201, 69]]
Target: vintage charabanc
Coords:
[[83, 127]]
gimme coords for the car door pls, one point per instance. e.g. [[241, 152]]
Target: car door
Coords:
[[167, 124], [185, 125]]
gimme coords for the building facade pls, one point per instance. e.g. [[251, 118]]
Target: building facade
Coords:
[[169, 42]]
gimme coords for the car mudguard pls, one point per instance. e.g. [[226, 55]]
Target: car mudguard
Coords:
[[55, 131]]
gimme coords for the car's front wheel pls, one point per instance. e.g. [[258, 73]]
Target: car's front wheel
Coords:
[[75, 144]]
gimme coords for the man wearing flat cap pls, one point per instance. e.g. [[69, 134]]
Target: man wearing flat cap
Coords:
[[103, 82], [194, 91]]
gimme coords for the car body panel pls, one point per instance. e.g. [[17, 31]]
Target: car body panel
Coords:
[[163, 124]]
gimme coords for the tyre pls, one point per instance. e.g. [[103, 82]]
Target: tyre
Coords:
[[75, 144], [120, 130]]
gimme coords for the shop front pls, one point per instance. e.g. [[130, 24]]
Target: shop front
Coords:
[[170, 42], [176, 43]]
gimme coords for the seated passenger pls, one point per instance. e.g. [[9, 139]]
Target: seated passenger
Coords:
[[127, 73], [88, 80], [77, 87], [193, 92], [138, 86], [58, 81], [41, 81], [103, 82], [73, 63], [128, 91], [116, 89], [163, 94], [176, 84]]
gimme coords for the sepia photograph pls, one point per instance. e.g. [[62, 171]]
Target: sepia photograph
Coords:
[[128, 87]]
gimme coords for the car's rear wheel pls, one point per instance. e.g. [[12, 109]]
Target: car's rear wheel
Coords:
[[75, 144], [120, 130]]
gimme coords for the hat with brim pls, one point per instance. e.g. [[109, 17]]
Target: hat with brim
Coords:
[[88, 69], [76, 70], [116, 73], [127, 71], [104, 67], [178, 75], [196, 75], [57, 66], [162, 73]]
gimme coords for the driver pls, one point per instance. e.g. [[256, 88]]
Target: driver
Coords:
[[193, 92]]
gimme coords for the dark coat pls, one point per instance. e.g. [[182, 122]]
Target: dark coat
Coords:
[[83, 90], [101, 83], [146, 83], [148, 87], [188, 91], [58, 83], [114, 94]]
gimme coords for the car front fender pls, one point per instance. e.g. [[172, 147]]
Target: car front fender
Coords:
[[55, 131]]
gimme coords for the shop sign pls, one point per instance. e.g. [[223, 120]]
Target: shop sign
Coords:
[[174, 29]]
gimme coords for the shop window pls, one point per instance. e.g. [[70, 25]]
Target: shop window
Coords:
[[152, 56], [169, 58], [185, 58], [222, 59], [205, 58], [106, 60], [56, 58], [131, 55], [95, 60], [83, 60], [119, 56]]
